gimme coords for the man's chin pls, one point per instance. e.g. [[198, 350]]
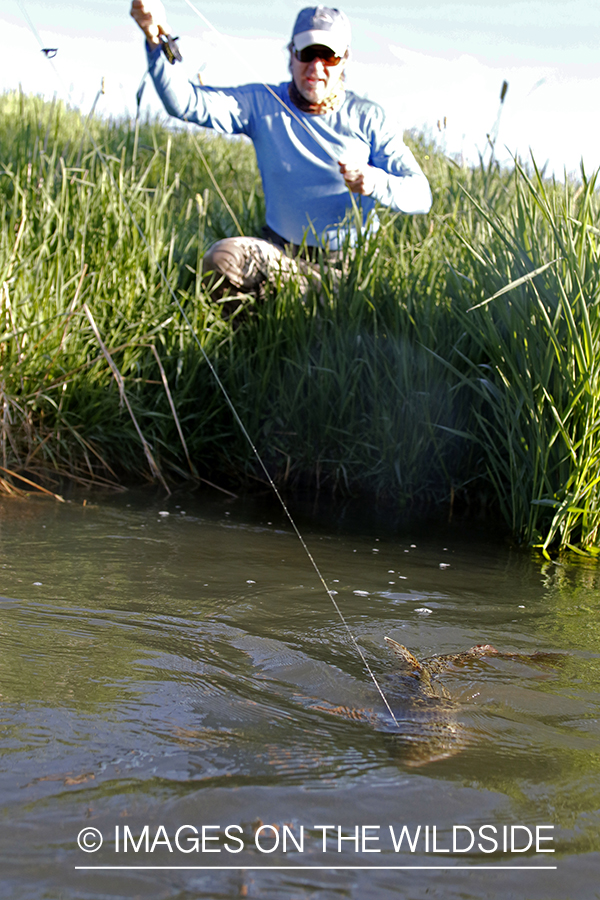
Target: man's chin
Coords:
[[313, 96]]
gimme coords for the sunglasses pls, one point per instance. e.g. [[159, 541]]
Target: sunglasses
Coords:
[[318, 51]]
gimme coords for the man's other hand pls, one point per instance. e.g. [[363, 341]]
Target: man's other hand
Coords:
[[150, 15], [360, 181]]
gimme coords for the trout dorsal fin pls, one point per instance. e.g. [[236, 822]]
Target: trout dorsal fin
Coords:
[[404, 654]]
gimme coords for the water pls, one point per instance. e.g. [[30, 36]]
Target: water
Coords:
[[189, 670]]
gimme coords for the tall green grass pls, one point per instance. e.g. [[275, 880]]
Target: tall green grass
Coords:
[[536, 329], [448, 359]]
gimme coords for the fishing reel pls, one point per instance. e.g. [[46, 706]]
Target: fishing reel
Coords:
[[170, 48]]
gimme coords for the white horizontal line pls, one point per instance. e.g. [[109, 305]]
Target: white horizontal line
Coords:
[[319, 868]]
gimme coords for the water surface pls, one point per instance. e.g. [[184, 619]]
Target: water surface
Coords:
[[177, 663]]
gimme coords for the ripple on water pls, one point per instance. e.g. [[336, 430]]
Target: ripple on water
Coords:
[[199, 671]]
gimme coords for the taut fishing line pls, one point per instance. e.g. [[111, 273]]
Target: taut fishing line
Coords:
[[49, 52], [167, 284]]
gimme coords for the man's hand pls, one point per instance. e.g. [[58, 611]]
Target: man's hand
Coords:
[[152, 19], [360, 181]]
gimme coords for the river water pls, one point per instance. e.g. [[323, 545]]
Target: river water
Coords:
[[174, 676]]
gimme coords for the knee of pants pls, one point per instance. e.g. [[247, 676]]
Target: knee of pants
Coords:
[[224, 258]]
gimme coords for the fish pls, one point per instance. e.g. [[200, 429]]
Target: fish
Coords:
[[427, 725], [428, 718]]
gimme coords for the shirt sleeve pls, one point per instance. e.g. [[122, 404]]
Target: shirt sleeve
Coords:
[[227, 110], [399, 180]]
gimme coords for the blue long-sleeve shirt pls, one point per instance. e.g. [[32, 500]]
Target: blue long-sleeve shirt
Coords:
[[303, 186]]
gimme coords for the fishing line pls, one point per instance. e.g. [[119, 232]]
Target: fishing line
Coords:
[[31, 25], [242, 427], [48, 52]]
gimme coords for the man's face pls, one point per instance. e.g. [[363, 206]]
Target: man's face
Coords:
[[315, 80]]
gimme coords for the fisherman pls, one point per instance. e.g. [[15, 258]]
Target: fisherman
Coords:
[[315, 142]]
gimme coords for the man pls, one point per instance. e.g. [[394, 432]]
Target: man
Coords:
[[315, 144]]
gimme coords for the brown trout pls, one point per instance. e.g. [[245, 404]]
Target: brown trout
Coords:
[[427, 726]]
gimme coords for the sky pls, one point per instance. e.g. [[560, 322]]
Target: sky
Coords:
[[435, 65]]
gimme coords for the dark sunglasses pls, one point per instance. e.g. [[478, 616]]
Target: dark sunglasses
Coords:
[[318, 51]]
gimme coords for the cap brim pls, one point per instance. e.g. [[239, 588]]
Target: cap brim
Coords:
[[321, 37]]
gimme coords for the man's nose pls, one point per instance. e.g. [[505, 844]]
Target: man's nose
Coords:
[[316, 67]]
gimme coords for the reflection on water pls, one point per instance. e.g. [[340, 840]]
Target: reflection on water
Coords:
[[178, 663]]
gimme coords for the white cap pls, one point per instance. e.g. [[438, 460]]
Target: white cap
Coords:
[[322, 25]]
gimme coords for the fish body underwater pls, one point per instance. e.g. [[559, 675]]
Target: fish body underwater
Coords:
[[426, 725]]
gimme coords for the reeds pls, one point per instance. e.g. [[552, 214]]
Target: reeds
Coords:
[[453, 355], [536, 367]]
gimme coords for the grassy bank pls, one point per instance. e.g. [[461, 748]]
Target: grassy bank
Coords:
[[454, 359]]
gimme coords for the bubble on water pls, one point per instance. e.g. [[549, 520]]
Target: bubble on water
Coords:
[[361, 593], [249, 581], [37, 583], [444, 565], [424, 611], [163, 512]]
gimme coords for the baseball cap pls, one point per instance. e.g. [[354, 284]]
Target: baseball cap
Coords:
[[322, 25]]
